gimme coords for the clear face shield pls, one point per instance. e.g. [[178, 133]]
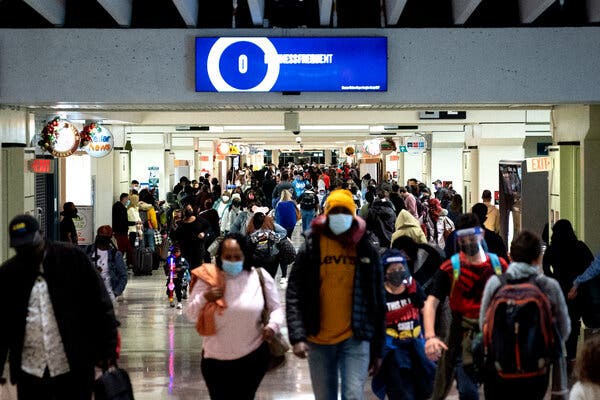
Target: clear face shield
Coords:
[[469, 242]]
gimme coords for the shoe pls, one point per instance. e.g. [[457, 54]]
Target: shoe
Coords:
[[171, 303], [283, 283], [179, 306]]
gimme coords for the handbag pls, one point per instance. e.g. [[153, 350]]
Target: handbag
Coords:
[[447, 231], [287, 252], [278, 346], [113, 384], [158, 239]]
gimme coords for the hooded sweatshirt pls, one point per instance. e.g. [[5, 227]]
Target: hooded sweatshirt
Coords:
[[549, 286], [407, 225]]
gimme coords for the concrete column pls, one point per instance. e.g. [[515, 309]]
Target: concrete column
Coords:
[[328, 158], [581, 123]]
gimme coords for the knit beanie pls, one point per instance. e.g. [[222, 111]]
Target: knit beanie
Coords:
[[340, 198]]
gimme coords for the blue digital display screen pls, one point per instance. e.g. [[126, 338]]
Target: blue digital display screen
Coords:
[[260, 64]]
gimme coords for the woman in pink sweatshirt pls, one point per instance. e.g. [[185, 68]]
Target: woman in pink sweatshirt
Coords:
[[237, 351]]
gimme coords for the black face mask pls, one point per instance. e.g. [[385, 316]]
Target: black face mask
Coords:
[[103, 241], [397, 278], [236, 203], [188, 213]]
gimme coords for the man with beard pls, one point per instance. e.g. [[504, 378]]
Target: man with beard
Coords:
[[58, 320]]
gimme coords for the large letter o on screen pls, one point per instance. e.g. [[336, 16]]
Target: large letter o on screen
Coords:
[[214, 58]]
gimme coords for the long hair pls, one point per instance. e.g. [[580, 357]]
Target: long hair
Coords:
[[286, 195], [563, 234], [587, 365]]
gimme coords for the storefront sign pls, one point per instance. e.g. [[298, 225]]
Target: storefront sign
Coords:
[[40, 166], [84, 224], [260, 64], [416, 144], [102, 142]]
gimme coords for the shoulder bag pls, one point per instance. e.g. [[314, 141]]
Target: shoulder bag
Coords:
[[278, 346]]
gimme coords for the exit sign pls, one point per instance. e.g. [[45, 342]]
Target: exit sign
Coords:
[[40, 166], [539, 164], [402, 149]]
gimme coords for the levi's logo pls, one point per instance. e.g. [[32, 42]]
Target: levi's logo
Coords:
[[341, 259]]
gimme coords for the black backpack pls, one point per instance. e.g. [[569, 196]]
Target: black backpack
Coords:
[[144, 218], [263, 245], [518, 335], [309, 201]]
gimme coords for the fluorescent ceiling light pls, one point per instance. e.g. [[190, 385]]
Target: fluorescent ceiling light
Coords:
[[334, 127], [237, 128], [364, 105]]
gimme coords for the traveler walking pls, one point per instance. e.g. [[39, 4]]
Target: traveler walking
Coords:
[[504, 377], [406, 373], [108, 261], [335, 301], [68, 233], [462, 279], [286, 212], [120, 223], [564, 260], [57, 318], [226, 301]]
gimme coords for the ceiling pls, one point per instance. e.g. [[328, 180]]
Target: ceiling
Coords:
[[319, 127], [227, 14]]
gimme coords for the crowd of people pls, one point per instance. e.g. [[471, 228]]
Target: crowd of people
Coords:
[[395, 282]]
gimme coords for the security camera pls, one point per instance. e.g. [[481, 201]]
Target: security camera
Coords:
[[296, 132]]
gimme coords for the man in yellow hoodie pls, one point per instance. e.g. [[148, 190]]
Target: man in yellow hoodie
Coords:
[[335, 301]]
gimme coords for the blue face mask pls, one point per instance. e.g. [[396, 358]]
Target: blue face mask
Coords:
[[128, 203], [339, 223], [233, 268]]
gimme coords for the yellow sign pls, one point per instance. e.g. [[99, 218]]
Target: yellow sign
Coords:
[[234, 150]]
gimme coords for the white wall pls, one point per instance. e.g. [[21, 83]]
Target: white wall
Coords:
[[141, 159], [425, 66], [413, 167], [446, 165], [498, 142], [104, 176]]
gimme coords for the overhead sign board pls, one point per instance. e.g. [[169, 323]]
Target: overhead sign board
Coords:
[[261, 64], [538, 164]]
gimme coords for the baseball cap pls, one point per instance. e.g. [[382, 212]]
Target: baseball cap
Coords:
[[437, 181], [23, 230], [392, 256]]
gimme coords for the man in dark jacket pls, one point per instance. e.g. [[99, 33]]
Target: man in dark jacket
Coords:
[[381, 219], [335, 301], [494, 242], [120, 224], [57, 319]]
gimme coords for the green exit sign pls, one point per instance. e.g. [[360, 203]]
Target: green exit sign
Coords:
[[402, 149]]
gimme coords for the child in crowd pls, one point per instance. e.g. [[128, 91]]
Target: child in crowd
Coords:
[[180, 271], [406, 372], [588, 371]]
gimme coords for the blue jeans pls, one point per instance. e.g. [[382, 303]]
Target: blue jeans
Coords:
[[349, 358], [307, 217], [149, 238], [466, 383]]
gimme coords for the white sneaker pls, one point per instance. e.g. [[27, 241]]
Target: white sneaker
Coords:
[[283, 282], [179, 306]]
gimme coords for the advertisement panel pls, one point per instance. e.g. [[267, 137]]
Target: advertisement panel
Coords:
[[261, 64]]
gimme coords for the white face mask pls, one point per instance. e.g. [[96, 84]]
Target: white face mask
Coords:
[[225, 199], [339, 223]]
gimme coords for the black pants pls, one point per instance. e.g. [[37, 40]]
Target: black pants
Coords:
[[235, 379], [178, 288], [63, 387]]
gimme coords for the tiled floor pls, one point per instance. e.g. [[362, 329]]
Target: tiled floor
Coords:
[[161, 350]]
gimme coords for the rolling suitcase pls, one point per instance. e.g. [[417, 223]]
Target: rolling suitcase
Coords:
[[143, 261]]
